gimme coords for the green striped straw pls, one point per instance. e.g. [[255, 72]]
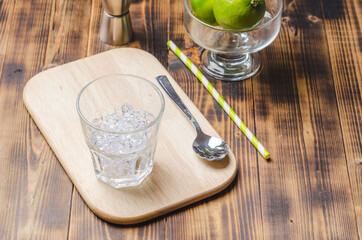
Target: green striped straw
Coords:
[[219, 99]]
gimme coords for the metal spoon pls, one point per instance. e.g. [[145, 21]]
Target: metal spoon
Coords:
[[207, 147]]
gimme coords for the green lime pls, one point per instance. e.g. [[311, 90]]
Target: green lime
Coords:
[[203, 10], [239, 14]]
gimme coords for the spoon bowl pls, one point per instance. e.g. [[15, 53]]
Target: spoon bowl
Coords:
[[210, 148], [205, 146]]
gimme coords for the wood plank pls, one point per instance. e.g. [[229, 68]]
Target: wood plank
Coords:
[[69, 29], [236, 212], [145, 27], [150, 22], [85, 225], [95, 45], [6, 13], [29, 169], [305, 189], [343, 30]]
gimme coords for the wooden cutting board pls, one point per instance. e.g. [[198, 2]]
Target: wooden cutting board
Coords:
[[178, 178]]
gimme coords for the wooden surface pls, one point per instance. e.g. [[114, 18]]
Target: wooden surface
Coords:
[[304, 106], [179, 176]]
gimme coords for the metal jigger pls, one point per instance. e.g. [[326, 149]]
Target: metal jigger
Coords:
[[116, 28]]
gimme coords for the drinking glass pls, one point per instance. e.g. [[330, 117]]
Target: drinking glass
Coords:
[[120, 117]]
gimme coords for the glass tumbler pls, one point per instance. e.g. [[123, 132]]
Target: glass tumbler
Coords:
[[120, 117]]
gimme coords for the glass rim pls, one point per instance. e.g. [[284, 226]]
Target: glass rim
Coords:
[[149, 125], [235, 30]]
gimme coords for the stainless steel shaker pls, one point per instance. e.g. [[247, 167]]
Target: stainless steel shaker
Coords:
[[116, 28]]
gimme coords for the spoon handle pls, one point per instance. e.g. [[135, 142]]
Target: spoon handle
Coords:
[[166, 85]]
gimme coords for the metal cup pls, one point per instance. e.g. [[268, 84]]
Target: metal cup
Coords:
[[116, 7], [116, 28]]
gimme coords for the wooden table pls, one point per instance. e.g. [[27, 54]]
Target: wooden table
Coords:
[[305, 106]]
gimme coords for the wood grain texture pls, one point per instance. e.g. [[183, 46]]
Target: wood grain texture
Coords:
[[6, 13], [306, 102], [343, 30], [305, 189], [32, 206], [68, 41], [95, 45], [85, 225], [238, 207], [179, 176], [150, 21]]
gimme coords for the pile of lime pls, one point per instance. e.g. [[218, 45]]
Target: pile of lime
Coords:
[[230, 14]]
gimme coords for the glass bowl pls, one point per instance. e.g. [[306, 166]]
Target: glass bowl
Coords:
[[232, 55]]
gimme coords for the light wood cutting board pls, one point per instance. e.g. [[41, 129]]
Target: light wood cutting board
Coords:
[[178, 178]]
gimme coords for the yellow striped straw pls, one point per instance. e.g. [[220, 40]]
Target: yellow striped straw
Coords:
[[219, 99]]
